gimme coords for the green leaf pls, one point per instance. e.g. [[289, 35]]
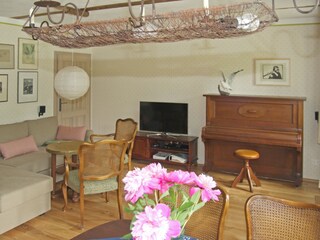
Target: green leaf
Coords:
[[182, 217], [196, 197], [150, 202], [127, 236], [186, 205], [166, 193], [198, 206]]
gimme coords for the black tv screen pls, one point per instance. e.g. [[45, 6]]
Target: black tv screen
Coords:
[[164, 117]]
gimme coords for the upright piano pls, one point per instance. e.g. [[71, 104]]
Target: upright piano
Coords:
[[273, 126]]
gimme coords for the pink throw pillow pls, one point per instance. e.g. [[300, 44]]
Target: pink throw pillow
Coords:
[[71, 133], [18, 147]]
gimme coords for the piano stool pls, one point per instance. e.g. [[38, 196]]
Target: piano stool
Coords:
[[246, 155]]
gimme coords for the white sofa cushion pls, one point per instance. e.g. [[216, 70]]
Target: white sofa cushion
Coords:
[[9, 132], [43, 129], [18, 186]]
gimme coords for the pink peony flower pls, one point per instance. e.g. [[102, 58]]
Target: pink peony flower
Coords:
[[155, 224], [206, 185], [158, 172], [139, 182], [181, 177], [156, 221]]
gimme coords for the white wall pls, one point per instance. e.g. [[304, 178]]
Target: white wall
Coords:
[[11, 111], [125, 74]]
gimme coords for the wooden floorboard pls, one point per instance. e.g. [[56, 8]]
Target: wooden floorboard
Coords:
[[59, 225]]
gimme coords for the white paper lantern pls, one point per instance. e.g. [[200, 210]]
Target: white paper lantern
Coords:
[[71, 82]]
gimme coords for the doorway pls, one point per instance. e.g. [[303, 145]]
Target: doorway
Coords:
[[73, 112]]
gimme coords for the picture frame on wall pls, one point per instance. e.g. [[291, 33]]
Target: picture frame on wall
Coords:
[[28, 54], [27, 87], [3, 87], [6, 56], [272, 72]]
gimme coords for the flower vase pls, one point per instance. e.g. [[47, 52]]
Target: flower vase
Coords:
[[184, 237]]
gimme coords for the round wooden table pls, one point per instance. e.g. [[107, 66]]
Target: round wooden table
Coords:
[[113, 229], [67, 148]]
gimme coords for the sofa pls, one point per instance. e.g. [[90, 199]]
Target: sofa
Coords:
[[25, 181]]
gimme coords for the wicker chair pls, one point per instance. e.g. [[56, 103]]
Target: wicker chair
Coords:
[[99, 170], [208, 222], [278, 219], [126, 129]]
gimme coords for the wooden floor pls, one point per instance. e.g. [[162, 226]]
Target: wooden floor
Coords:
[[56, 224]]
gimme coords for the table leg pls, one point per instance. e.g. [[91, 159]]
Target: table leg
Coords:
[[53, 173], [75, 195]]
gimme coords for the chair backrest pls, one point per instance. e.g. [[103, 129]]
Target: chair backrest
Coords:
[[102, 159], [273, 218], [208, 221], [126, 129]]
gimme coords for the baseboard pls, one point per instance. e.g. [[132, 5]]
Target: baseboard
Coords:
[[314, 181]]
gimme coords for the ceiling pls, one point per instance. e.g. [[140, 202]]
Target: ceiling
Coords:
[[16, 8]]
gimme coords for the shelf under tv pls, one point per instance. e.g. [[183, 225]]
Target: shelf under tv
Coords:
[[147, 144]]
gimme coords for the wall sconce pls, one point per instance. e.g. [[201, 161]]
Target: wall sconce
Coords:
[[42, 110]]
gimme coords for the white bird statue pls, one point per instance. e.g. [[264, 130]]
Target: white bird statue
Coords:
[[225, 84]]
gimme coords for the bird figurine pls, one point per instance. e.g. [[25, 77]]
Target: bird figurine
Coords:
[[225, 84]]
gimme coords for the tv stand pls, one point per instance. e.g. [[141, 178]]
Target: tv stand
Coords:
[[147, 144], [163, 134]]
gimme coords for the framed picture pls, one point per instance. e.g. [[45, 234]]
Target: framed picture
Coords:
[[28, 54], [6, 56], [272, 72], [27, 87], [3, 87]]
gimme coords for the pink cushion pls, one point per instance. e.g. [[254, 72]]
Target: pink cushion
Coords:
[[71, 133], [18, 147]]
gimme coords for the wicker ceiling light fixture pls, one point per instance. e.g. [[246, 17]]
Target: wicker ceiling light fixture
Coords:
[[208, 22]]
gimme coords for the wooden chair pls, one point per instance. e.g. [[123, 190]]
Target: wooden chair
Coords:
[[273, 218], [208, 222], [126, 129], [99, 170]]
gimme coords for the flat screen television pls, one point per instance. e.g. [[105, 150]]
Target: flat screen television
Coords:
[[164, 117]]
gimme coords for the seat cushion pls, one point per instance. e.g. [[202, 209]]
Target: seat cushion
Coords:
[[92, 187], [126, 159], [18, 186], [34, 162]]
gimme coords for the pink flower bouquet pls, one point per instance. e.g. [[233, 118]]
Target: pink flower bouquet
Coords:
[[148, 189]]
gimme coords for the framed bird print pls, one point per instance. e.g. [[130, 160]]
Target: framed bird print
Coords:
[[27, 87], [28, 54], [272, 72]]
